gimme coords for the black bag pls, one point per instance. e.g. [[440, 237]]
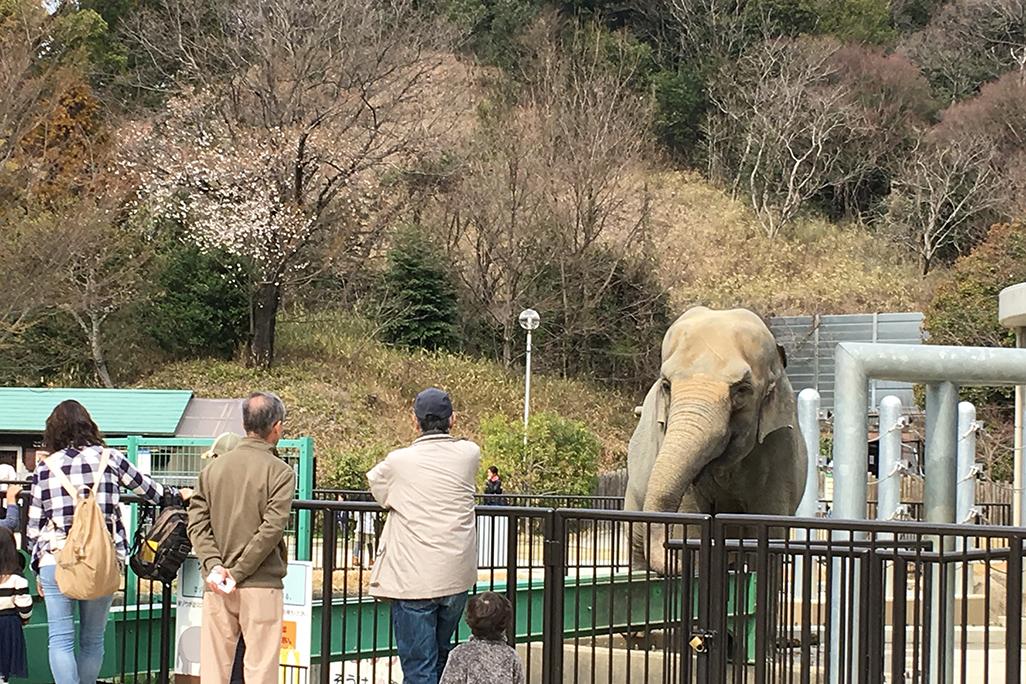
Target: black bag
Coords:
[[161, 547]]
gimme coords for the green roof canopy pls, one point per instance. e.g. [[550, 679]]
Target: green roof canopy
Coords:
[[116, 412]]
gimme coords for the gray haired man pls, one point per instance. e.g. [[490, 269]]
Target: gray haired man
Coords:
[[237, 520]]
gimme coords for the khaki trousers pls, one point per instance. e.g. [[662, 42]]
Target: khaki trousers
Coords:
[[254, 612]]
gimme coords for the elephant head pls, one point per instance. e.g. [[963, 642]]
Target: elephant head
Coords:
[[722, 392]]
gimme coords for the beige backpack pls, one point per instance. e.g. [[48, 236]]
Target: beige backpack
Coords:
[[87, 566]]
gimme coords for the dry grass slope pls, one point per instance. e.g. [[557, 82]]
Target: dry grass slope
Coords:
[[353, 394], [712, 252]]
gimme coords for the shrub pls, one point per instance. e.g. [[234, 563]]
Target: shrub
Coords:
[[420, 299], [349, 470], [681, 105], [963, 311], [561, 456], [201, 308], [964, 308]]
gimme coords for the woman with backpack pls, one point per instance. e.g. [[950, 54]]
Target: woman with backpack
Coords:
[[75, 496]]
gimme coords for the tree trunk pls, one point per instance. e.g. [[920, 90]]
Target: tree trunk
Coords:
[[507, 344], [924, 265], [263, 317], [96, 347]]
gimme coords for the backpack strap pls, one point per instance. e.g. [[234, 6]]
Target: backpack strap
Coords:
[[55, 468], [104, 462]]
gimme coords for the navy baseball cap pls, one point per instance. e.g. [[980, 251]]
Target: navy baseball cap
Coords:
[[432, 402]]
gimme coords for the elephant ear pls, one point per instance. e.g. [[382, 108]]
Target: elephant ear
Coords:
[[777, 410]]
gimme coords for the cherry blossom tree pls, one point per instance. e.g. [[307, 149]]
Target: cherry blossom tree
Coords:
[[290, 122]]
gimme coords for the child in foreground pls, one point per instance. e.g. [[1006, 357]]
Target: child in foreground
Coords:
[[15, 609], [486, 658]]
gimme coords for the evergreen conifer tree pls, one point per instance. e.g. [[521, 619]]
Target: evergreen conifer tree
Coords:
[[421, 300]]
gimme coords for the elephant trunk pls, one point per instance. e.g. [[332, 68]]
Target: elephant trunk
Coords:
[[698, 428]]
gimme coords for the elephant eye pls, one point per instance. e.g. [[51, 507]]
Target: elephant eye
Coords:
[[741, 391]]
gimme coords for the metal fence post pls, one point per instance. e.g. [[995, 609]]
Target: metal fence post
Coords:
[[939, 504], [305, 491], [328, 551], [808, 423], [1013, 634], [555, 579], [965, 487], [131, 581], [167, 634], [888, 488]]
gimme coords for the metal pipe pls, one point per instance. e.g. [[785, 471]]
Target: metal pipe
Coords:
[[888, 488], [965, 487], [808, 423], [850, 484], [936, 363], [808, 507], [527, 386], [1019, 474], [941, 452], [850, 434], [939, 498], [855, 363]]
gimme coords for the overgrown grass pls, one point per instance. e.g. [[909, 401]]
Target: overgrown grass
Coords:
[[354, 394], [712, 252]]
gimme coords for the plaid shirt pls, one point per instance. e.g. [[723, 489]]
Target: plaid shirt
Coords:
[[52, 509]]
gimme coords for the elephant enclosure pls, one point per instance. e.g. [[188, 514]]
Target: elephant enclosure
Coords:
[[745, 599]]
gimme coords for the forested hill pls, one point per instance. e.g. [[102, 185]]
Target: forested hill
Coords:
[[179, 179]]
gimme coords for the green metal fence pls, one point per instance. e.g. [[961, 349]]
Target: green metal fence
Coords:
[[177, 461]]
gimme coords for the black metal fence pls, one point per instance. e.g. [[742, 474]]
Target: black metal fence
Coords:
[[742, 599]]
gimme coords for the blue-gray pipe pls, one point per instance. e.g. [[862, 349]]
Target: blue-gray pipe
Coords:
[[945, 368], [808, 422], [965, 487], [888, 488]]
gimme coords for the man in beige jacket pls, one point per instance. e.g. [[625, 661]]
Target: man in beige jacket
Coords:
[[237, 520], [427, 555]]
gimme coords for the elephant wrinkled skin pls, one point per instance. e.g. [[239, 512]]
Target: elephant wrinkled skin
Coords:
[[718, 431]]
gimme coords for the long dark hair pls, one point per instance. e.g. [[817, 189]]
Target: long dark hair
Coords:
[[10, 561], [70, 425]]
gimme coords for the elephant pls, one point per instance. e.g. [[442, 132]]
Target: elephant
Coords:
[[717, 431]]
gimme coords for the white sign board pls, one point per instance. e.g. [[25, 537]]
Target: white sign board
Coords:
[[296, 626], [298, 623]]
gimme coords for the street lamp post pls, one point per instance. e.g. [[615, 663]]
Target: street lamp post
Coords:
[[529, 321]]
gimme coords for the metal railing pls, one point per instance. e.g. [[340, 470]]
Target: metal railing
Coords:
[[743, 599]]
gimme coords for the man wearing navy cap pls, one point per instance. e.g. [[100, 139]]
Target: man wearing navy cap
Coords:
[[427, 555]]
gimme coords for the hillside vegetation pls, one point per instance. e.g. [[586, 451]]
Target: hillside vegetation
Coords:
[[179, 177], [354, 395], [712, 252]]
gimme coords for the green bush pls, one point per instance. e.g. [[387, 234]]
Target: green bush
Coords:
[[561, 456], [681, 104], [964, 308], [201, 307], [491, 28], [857, 21], [349, 470], [964, 311], [420, 300]]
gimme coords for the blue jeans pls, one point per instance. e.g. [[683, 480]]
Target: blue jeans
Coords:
[[66, 667], [423, 635]]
